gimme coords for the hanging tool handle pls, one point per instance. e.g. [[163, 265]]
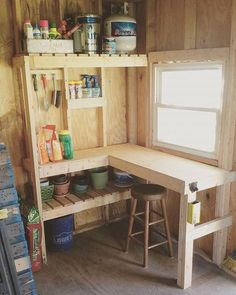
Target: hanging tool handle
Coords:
[[35, 83], [45, 81]]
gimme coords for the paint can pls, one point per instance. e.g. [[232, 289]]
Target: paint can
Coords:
[[88, 37]]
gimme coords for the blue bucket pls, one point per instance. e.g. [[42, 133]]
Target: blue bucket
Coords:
[[61, 233]]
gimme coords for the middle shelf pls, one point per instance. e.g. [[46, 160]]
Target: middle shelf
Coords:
[[72, 203]]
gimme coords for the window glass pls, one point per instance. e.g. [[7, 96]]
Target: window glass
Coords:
[[191, 129], [198, 87]]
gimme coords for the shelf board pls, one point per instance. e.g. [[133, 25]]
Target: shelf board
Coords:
[[52, 61], [71, 204], [83, 103]]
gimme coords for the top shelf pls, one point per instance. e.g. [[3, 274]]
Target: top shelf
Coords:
[[49, 61]]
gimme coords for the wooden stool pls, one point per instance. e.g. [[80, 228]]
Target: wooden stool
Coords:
[[148, 193]]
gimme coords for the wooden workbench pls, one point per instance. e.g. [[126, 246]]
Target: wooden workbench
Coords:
[[180, 175]]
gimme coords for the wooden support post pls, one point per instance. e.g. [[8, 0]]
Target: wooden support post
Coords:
[[17, 24], [185, 245], [31, 129], [227, 147]]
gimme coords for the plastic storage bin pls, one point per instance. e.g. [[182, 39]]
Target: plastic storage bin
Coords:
[[61, 233], [8, 197]]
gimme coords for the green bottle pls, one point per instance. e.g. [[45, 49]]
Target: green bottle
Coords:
[[67, 146]]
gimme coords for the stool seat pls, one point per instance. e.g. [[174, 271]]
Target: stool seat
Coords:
[[148, 192]]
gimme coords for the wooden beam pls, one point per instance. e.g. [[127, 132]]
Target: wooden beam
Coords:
[[17, 25], [189, 55], [86, 61], [211, 226], [227, 146]]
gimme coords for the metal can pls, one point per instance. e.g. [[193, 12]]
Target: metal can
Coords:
[[90, 33], [109, 45]]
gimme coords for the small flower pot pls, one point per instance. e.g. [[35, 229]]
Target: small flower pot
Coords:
[[99, 177]]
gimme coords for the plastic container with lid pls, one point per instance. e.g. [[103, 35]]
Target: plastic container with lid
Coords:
[[53, 33], [43, 24], [67, 146], [123, 29], [28, 29]]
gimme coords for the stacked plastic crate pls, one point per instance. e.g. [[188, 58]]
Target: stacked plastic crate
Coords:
[[14, 225]]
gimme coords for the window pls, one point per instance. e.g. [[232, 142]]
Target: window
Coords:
[[187, 107]]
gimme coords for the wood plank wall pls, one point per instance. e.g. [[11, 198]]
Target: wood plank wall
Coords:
[[184, 24], [162, 25], [85, 123]]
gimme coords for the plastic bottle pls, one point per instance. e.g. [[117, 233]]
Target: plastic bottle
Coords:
[[43, 24], [65, 139], [36, 32], [78, 89], [28, 30], [53, 33]]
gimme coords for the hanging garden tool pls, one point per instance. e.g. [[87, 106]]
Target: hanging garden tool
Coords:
[[54, 93], [35, 84], [45, 86]]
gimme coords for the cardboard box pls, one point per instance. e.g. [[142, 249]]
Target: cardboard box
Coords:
[[49, 46], [194, 212]]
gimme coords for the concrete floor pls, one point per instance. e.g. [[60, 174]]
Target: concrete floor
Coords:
[[96, 265]]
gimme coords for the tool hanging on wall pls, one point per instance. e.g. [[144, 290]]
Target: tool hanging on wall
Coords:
[[54, 93], [58, 99], [35, 84], [45, 86]]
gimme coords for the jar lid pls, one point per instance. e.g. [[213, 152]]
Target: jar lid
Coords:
[[64, 132]]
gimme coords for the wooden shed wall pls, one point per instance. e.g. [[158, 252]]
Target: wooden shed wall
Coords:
[[163, 25], [185, 24]]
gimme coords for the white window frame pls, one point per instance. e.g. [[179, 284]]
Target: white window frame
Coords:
[[157, 68]]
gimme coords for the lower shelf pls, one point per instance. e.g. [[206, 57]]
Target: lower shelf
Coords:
[[70, 204]]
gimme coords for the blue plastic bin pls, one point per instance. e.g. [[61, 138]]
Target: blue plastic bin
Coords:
[[61, 233]]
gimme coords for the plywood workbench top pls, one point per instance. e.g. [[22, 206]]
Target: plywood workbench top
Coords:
[[173, 172]]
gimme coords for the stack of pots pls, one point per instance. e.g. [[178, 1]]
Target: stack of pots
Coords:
[[61, 185]]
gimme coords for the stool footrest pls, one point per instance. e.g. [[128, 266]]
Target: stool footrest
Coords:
[[139, 213], [158, 244], [156, 221], [137, 233]]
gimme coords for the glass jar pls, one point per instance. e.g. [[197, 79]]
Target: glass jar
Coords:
[[43, 24], [67, 146]]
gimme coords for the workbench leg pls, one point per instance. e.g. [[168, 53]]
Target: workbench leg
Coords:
[[221, 209], [185, 245]]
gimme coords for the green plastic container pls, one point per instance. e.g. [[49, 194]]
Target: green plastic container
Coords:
[[99, 177], [65, 139]]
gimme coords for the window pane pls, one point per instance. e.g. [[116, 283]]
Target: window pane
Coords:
[[192, 87], [192, 129]]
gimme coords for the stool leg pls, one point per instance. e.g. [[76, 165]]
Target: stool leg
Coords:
[[163, 205], [146, 234], [131, 223]]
